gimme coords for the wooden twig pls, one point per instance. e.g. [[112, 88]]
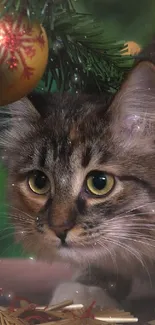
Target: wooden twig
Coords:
[[59, 306], [67, 305], [119, 320]]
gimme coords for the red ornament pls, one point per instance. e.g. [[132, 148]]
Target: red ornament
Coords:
[[23, 56]]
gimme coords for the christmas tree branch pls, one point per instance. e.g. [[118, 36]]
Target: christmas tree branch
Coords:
[[81, 56], [88, 54]]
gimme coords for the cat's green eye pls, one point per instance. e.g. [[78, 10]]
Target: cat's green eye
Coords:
[[99, 183], [39, 182]]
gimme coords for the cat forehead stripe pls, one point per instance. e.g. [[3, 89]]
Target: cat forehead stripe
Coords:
[[86, 157]]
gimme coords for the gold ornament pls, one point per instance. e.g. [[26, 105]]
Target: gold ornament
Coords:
[[23, 56], [132, 48]]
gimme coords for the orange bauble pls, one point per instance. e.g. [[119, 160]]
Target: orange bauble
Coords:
[[132, 48], [23, 57]]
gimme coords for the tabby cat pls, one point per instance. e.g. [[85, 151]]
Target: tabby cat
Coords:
[[81, 180]]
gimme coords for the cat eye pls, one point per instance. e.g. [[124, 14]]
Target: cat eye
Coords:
[[99, 183], [39, 182]]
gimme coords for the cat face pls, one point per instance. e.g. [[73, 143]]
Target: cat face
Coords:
[[81, 174]]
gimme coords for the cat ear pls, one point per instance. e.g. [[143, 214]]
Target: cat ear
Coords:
[[23, 108], [133, 108]]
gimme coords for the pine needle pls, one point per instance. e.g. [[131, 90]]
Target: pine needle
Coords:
[[82, 56]]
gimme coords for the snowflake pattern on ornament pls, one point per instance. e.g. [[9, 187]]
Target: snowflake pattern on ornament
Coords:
[[17, 44]]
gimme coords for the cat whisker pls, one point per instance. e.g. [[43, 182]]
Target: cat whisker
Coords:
[[137, 238], [22, 212], [127, 227], [10, 216], [134, 235], [129, 234], [4, 252], [134, 253], [126, 247], [138, 207], [134, 216], [11, 234], [12, 230], [7, 227], [113, 257], [139, 221], [21, 217]]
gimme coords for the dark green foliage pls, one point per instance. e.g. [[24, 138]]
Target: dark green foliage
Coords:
[[82, 56]]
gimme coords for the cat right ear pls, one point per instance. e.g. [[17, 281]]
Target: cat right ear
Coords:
[[133, 108]]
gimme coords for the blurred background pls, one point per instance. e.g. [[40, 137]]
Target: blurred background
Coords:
[[126, 20]]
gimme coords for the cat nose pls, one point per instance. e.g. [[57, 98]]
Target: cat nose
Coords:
[[61, 232], [62, 235], [61, 219]]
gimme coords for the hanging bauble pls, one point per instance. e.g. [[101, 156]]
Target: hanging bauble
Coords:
[[23, 56]]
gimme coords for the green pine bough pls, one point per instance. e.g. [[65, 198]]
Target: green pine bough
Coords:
[[82, 58]]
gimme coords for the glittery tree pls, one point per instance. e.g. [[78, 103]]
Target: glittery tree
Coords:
[[82, 56]]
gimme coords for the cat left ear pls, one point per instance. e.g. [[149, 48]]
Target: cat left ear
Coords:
[[133, 108], [23, 108]]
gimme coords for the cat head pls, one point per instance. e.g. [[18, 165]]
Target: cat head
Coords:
[[81, 173]]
